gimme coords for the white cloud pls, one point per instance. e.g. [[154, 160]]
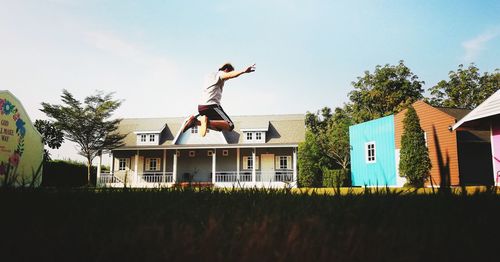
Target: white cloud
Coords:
[[473, 47]]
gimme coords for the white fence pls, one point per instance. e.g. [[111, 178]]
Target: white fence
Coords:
[[260, 176], [155, 177]]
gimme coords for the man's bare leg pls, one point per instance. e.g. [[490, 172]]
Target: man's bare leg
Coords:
[[219, 125]]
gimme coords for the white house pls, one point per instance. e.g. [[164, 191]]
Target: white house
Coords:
[[261, 151]]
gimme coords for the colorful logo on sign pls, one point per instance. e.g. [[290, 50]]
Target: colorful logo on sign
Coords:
[[12, 133]]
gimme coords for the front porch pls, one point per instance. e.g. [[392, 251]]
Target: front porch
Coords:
[[233, 167]]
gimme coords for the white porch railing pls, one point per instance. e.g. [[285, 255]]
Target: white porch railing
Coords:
[[261, 176], [155, 177], [274, 176], [232, 176], [108, 178]]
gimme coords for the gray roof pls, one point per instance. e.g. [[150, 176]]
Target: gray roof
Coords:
[[457, 113], [478, 118], [282, 129]]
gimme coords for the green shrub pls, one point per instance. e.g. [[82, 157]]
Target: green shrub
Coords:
[[66, 173], [335, 177], [414, 162]]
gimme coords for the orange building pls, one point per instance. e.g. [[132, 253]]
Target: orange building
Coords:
[[457, 157]]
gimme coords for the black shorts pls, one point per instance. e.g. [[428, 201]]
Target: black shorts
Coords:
[[214, 112]]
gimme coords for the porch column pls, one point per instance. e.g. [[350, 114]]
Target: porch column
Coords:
[[164, 168], [98, 175], [112, 171], [136, 164], [254, 175], [294, 164], [492, 142], [174, 170], [238, 164], [213, 166]]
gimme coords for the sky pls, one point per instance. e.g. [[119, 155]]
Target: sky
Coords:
[[154, 54]]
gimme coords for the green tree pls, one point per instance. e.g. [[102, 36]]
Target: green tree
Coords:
[[387, 91], [309, 161], [87, 124], [335, 140], [52, 136], [414, 162], [465, 88]]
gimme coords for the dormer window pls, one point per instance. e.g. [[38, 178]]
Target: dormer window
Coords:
[[256, 137], [148, 138]]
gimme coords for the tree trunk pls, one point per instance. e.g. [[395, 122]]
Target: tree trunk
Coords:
[[89, 168]]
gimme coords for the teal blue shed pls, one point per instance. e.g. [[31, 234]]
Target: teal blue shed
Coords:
[[373, 153]]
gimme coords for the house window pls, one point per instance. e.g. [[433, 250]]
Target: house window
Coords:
[[122, 163], [210, 153], [194, 130], [225, 152], [152, 164], [143, 138], [249, 136], [248, 162], [192, 153], [283, 162], [370, 152], [151, 138], [258, 136]]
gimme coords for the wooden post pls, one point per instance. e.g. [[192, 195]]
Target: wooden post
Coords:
[[238, 164], [174, 171], [164, 167], [213, 166], [254, 174], [295, 165], [136, 164]]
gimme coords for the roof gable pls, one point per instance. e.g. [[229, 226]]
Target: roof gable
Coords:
[[281, 129], [490, 107]]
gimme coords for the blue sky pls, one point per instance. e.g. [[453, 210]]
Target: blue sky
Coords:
[[154, 54]]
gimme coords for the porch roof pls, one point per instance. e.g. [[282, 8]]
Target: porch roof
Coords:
[[480, 116]]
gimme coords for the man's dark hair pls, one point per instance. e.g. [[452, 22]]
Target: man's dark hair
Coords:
[[227, 66]]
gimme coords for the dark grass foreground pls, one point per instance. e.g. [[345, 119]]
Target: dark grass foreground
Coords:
[[117, 225]]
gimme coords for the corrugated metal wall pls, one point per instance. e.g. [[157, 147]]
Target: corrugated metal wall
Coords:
[[383, 171]]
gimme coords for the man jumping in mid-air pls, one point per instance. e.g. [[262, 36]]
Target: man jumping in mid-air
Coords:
[[212, 114]]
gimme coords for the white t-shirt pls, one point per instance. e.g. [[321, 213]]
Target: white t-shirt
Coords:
[[212, 89]]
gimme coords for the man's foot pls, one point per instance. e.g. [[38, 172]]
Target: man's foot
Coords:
[[191, 122], [203, 127]]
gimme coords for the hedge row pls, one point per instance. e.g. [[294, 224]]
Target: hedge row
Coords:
[[61, 173], [336, 177]]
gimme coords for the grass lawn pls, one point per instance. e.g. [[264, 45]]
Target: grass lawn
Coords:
[[247, 225]]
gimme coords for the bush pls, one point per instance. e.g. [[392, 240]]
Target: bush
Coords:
[[63, 173], [335, 177]]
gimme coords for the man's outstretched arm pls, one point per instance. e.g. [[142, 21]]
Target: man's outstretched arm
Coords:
[[235, 73]]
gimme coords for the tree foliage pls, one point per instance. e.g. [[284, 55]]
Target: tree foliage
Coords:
[[414, 162], [335, 139], [389, 89], [52, 136], [465, 88], [309, 161], [87, 124]]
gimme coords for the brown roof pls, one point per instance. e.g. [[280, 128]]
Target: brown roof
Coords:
[[457, 113]]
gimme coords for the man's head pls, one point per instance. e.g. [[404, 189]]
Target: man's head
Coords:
[[226, 67]]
